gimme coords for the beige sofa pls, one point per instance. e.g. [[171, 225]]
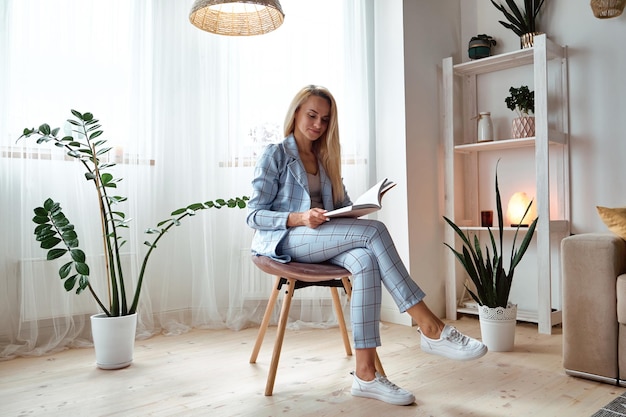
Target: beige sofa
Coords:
[[594, 307]]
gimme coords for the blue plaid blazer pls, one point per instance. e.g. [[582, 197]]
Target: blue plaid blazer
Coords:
[[280, 186]]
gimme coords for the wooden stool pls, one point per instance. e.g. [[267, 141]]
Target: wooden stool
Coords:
[[299, 275]]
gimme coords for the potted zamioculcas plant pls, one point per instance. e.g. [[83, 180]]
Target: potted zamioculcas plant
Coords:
[[491, 281], [522, 101], [57, 235], [521, 21]]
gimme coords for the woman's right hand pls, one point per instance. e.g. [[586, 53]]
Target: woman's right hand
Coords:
[[311, 218]]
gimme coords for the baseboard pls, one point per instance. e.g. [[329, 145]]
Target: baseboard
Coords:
[[598, 378]]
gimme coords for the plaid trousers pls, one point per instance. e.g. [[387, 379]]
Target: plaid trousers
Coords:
[[365, 248]]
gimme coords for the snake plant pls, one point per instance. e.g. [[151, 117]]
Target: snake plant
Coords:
[[491, 280], [519, 21]]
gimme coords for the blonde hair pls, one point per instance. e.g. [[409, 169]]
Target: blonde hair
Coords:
[[327, 148]]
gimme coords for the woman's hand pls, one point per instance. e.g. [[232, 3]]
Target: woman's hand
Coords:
[[310, 218]]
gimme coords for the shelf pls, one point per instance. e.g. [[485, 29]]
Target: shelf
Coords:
[[496, 145], [497, 62], [548, 152], [556, 138], [522, 315], [507, 60], [555, 226]]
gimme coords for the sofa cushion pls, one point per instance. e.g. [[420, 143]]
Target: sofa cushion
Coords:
[[614, 219]]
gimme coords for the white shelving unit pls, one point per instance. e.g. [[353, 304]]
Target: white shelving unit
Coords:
[[547, 62]]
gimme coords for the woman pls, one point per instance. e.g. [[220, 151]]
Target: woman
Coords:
[[295, 183]]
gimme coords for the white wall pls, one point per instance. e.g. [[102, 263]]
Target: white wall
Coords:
[[412, 37], [434, 30], [390, 134], [596, 86]]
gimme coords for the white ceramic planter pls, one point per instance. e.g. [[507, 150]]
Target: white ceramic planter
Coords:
[[113, 340], [497, 327]]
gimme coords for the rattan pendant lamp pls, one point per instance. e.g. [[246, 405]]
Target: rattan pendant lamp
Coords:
[[237, 18]]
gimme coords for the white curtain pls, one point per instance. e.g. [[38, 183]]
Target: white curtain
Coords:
[[187, 112]]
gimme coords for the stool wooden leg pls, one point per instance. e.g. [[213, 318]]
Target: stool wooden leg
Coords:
[[280, 335], [341, 320], [266, 321], [347, 285]]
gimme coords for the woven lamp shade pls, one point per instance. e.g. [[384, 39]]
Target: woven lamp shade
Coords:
[[605, 9], [237, 18]]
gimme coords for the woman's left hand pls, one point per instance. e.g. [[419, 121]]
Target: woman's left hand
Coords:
[[311, 218]]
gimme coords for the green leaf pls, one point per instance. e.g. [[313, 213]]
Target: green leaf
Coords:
[[70, 282], [50, 243], [196, 206], [106, 178], [55, 253], [47, 234], [65, 270], [103, 151], [49, 205], [83, 282], [77, 114], [179, 211], [60, 220], [77, 255], [44, 129], [40, 220], [82, 268], [117, 199], [40, 211], [69, 235], [42, 228], [96, 134]]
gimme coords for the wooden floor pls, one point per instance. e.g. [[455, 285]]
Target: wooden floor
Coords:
[[206, 373]]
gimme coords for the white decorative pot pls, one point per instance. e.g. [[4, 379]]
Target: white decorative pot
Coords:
[[497, 327], [113, 340], [523, 127]]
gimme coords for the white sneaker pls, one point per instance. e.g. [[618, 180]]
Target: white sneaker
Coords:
[[380, 388], [453, 344]]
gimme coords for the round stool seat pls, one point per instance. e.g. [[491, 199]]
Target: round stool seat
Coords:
[[300, 271]]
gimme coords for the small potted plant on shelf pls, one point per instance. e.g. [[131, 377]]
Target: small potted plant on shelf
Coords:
[[522, 101], [491, 281], [57, 235], [522, 22]]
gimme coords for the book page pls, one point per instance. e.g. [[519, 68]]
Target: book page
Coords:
[[367, 203], [371, 197]]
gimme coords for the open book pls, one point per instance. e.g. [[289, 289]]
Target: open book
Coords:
[[367, 203]]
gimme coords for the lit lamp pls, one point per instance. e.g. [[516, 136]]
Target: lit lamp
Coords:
[[516, 208], [237, 18]]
